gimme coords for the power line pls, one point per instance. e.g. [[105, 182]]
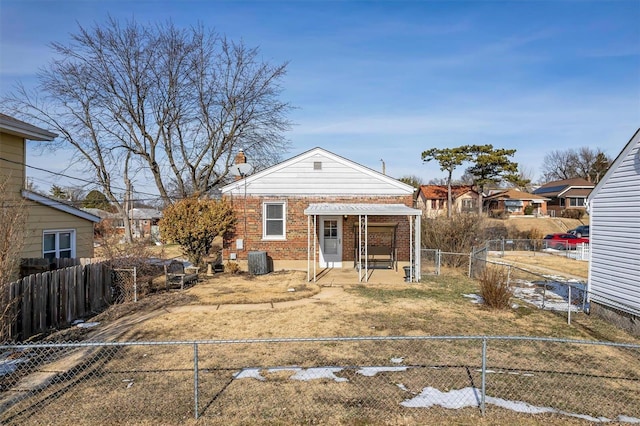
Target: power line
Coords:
[[68, 176]]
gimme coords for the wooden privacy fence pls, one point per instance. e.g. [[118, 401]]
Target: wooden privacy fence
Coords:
[[30, 266], [54, 299]]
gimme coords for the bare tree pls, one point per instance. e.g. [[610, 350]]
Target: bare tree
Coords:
[[179, 103], [412, 180], [13, 222], [583, 162], [559, 165]]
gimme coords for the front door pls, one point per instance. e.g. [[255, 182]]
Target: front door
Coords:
[[331, 241]]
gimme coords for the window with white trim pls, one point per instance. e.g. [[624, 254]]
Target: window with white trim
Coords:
[[576, 202], [273, 226], [59, 244]]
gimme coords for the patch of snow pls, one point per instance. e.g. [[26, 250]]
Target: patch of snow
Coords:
[[475, 298], [470, 397], [9, 366], [455, 399], [291, 290], [372, 371], [319, 373], [403, 387], [627, 419], [397, 360], [249, 373], [554, 298], [87, 324]]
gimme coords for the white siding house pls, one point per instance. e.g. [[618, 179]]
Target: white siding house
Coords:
[[614, 270], [321, 209]]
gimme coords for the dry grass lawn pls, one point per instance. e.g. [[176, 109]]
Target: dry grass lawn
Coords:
[[241, 307], [544, 225], [548, 263]]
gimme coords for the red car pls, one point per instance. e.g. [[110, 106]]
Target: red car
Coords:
[[564, 241]]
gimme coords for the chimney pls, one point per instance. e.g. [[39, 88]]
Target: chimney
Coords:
[[240, 158]]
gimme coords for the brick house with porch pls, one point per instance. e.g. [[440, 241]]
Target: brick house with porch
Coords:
[[319, 209]]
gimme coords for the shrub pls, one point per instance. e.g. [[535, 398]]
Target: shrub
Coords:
[[194, 224], [528, 209], [232, 267], [494, 288], [535, 234], [499, 214], [457, 234], [572, 213]]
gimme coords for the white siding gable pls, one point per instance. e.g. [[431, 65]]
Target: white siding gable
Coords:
[[614, 210], [318, 172]]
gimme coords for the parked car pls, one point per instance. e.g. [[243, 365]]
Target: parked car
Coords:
[[564, 241], [580, 231]]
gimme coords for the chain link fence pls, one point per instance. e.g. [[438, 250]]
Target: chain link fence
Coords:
[[125, 285], [565, 248], [368, 380]]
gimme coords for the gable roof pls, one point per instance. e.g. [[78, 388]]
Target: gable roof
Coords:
[[318, 172], [13, 126], [514, 194], [633, 142], [440, 192], [558, 187], [59, 205]]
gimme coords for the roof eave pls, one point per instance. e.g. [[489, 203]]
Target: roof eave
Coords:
[[46, 201]]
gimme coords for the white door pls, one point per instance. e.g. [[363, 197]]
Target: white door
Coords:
[[331, 241]]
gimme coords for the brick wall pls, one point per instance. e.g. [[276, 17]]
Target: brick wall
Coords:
[[295, 245]]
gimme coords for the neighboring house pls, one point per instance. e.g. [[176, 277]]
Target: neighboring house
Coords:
[[320, 208], [432, 199], [53, 229], [515, 202], [144, 221], [565, 194], [614, 216]]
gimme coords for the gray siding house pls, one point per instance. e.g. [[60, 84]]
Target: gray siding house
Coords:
[[614, 270]]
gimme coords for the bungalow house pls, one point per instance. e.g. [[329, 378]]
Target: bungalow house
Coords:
[[516, 202], [320, 209], [53, 229], [614, 212], [565, 194], [432, 199], [144, 221]]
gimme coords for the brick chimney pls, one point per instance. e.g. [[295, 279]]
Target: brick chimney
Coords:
[[240, 159]]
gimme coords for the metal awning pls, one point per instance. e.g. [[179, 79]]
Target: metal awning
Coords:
[[363, 211], [334, 209]]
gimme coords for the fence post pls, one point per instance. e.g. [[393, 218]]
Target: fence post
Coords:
[[135, 285], [569, 307], [470, 257], [502, 247], [484, 375], [438, 260], [195, 378]]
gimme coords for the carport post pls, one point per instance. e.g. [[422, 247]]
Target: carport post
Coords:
[[308, 247], [315, 249]]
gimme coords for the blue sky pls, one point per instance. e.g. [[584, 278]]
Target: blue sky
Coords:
[[375, 80]]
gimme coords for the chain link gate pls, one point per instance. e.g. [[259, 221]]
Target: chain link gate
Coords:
[[125, 285]]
